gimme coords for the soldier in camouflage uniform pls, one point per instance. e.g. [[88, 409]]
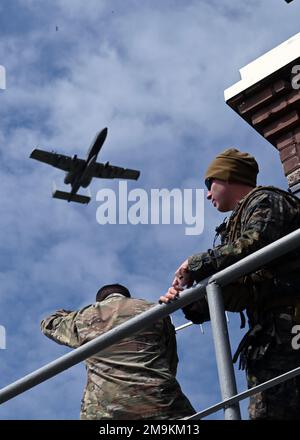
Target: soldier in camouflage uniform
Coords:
[[134, 378], [270, 296]]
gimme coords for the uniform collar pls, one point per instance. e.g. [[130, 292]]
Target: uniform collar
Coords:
[[112, 295]]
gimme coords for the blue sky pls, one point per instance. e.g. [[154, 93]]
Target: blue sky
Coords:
[[154, 73]]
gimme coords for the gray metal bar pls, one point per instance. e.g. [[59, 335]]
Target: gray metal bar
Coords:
[[247, 265], [188, 324], [222, 349], [241, 396], [183, 326], [124, 330]]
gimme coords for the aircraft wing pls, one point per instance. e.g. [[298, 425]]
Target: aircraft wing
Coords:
[[107, 171], [60, 161]]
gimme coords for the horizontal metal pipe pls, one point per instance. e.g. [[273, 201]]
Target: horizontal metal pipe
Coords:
[[183, 326], [134, 325], [234, 399], [138, 323], [188, 324]]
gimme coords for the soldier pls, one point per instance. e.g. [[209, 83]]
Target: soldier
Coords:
[[270, 296], [134, 378]]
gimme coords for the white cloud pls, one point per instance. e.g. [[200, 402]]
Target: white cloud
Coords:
[[154, 74]]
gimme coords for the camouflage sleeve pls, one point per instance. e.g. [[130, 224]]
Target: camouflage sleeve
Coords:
[[61, 328], [263, 221]]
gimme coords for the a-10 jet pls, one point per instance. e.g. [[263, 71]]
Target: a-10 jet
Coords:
[[80, 172]]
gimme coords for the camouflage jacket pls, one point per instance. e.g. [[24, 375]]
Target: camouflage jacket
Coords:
[[263, 216], [132, 379]]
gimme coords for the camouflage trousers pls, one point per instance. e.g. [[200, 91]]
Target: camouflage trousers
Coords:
[[281, 402]]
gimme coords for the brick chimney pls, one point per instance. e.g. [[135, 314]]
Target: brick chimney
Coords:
[[268, 98]]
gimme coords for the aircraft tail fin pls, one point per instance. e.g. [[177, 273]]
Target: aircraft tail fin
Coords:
[[70, 197]]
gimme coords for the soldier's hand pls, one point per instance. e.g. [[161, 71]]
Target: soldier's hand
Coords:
[[171, 295], [182, 279], [182, 276]]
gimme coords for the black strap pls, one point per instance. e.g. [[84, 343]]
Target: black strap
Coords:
[[243, 320]]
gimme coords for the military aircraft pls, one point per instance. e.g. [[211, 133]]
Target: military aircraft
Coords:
[[80, 172]]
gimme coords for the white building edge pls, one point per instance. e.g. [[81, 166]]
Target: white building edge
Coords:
[[265, 65]]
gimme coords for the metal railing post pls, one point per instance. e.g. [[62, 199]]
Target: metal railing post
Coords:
[[250, 263], [222, 349]]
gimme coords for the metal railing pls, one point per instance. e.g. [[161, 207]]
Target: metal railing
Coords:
[[213, 286], [236, 398]]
